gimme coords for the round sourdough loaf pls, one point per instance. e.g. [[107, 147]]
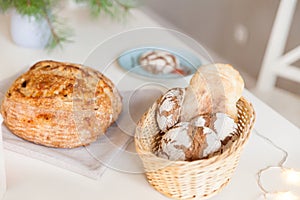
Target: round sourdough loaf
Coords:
[[59, 104]]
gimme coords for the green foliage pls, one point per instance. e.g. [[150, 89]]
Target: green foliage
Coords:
[[114, 8], [41, 10], [35, 8], [60, 33], [5, 4]]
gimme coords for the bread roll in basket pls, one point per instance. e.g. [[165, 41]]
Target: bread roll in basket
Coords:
[[60, 104], [191, 180], [201, 178]]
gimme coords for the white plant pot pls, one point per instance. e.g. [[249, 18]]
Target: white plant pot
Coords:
[[27, 31]]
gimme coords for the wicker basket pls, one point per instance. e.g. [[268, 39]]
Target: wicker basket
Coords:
[[198, 179]]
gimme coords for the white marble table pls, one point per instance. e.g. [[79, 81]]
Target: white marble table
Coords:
[[32, 179]]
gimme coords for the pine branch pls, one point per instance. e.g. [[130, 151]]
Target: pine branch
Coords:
[[5, 4], [59, 33], [43, 10], [111, 7], [124, 6], [54, 35]]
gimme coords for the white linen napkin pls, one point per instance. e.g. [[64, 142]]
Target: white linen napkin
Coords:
[[92, 160]]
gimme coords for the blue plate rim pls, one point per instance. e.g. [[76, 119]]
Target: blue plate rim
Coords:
[[146, 74]]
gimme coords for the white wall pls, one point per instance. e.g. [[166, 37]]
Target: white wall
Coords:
[[215, 22]]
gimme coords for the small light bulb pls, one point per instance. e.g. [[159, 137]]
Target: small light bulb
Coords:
[[292, 176], [286, 196]]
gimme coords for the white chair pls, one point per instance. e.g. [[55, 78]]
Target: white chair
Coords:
[[276, 62]]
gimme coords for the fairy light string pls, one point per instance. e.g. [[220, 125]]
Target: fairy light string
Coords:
[[279, 195]]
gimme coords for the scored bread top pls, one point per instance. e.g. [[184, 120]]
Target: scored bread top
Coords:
[[56, 85], [61, 104]]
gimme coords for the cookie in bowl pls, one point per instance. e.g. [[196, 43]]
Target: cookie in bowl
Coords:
[[59, 104], [160, 62]]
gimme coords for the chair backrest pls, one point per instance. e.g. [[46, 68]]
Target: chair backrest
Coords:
[[276, 62]]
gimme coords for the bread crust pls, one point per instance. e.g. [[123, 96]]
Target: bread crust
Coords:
[[60, 104], [213, 88]]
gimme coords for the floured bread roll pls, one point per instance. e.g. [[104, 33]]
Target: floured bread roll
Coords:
[[223, 125], [202, 120], [187, 142], [169, 108], [159, 62], [61, 105], [213, 88]]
